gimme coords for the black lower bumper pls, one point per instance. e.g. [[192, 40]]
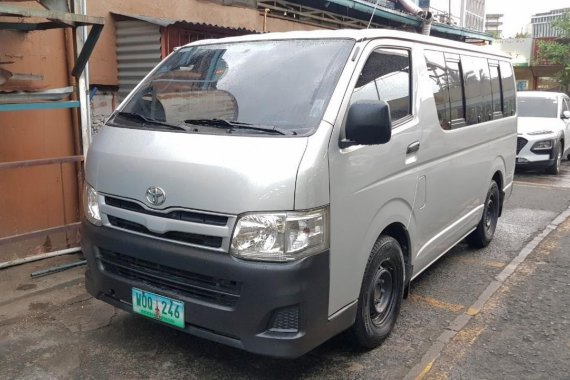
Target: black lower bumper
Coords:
[[266, 308], [535, 165]]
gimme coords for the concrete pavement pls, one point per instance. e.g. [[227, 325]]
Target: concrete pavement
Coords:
[[524, 330]]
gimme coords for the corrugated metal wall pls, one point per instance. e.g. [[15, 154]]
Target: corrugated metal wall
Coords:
[[138, 51]]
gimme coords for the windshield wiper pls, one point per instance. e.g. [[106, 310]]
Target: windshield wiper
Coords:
[[146, 120], [222, 123]]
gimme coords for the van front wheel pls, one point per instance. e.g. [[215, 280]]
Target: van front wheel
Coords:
[[555, 167], [381, 293], [485, 230]]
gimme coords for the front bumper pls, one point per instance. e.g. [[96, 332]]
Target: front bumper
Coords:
[[276, 309], [534, 160]]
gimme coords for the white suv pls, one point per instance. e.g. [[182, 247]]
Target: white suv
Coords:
[[543, 130]]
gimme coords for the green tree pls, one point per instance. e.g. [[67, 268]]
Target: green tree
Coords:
[[496, 34], [557, 52], [522, 35]]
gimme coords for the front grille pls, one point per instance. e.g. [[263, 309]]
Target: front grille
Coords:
[[179, 282], [184, 237], [186, 216], [521, 142]]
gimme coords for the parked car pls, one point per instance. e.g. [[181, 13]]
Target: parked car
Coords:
[[270, 191], [543, 130]]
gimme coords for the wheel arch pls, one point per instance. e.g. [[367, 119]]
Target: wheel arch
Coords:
[[498, 178], [392, 219], [498, 175], [399, 232]]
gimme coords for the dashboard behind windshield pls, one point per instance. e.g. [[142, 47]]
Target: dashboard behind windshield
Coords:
[[537, 107]]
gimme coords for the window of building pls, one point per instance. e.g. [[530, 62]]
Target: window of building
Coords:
[[386, 76]]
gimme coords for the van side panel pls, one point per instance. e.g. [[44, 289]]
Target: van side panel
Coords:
[[312, 184], [458, 165], [371, 187]]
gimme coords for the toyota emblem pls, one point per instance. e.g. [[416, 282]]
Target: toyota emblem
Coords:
[[155, 195]]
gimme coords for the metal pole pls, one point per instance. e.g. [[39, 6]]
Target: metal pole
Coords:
[[372, 15], [30, 259], [56, 269], [80, 7]]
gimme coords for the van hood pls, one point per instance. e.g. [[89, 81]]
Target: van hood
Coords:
[[535, 124], [217, 173]]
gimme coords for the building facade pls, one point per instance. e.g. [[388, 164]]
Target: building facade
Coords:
[[468, 14], [473, 14], [531, 73], [542, 23], [493, 24]]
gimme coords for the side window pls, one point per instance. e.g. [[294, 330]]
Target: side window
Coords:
[[486, 89], [386, 76], [473, 96], [478, 93], [509, 92], [455, 80], [437, 72], [566, 105], [496, 89]]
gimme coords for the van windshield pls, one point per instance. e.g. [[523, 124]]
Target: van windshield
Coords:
[[255, 87], [537, 107]]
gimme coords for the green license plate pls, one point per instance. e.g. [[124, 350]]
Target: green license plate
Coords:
[[158, 307]]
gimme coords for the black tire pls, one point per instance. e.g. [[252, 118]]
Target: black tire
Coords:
[[380, 294], [555, 167], [485, 230]]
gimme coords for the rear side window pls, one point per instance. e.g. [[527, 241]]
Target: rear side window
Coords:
[[509, 92], [386, 76], [478, 95], [469, 90], [496, 89], [437, 72], [455, 80], [486, 90], [473, 96]]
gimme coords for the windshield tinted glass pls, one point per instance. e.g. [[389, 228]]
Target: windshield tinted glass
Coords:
[[537, 107], [283, 84]]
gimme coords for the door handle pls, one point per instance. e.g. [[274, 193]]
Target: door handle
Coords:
[[413, 147]]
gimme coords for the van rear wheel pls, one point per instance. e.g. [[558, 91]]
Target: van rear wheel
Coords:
[[380, 294], [485, 230]]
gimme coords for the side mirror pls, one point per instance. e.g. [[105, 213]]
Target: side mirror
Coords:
[[368, 123], [565, 114]]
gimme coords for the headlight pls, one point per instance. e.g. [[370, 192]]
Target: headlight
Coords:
[[90, 205], [544, 132], [286, 236], [539, 145]]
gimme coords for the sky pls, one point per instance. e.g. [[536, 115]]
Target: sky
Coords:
[[517, 13]]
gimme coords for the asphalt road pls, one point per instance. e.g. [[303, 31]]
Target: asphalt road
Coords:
[[50, 328]]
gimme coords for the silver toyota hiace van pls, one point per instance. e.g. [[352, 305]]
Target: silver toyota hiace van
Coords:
[[270, 191]]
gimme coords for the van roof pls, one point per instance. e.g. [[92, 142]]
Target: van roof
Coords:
[[358, 35]]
